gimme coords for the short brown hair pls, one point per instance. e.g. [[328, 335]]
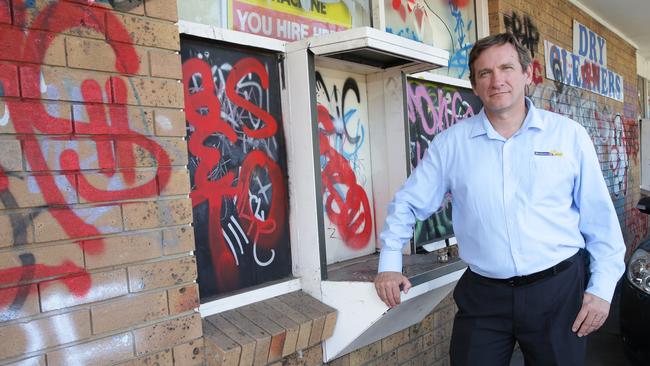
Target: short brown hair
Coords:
[[497, 40]]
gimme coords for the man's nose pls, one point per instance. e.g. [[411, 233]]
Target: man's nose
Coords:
[[497, 79]]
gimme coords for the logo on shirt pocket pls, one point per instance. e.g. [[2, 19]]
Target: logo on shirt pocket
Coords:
[[549, 153], [551, 175]]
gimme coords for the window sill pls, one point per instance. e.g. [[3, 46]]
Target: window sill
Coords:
[[418, 268], [363, 318]]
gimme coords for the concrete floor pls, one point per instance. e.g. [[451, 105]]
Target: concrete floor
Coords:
[[604, 347]]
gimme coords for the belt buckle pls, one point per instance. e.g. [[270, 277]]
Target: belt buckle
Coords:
[[516, 281]]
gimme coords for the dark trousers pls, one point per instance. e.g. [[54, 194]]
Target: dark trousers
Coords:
[[492, 316]]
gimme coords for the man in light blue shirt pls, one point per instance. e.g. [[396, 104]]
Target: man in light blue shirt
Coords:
[[528, 194]]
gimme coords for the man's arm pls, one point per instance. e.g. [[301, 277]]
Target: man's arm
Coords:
[[603, 239], [418, 198]]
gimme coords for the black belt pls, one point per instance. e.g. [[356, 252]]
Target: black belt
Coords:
[[533, 277]]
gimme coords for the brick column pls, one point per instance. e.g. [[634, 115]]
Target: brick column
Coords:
[[95, 235]]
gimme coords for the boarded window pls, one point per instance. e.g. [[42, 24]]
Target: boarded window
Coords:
[[237, 164], [432, 108]]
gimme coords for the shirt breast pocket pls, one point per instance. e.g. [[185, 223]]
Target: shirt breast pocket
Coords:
[[551, 178]]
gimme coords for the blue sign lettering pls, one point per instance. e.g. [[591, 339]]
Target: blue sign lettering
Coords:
[[584, 41], [580, 71], [589, 44], [575, 61]]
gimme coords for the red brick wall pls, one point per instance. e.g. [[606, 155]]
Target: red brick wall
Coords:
[[95, 219]]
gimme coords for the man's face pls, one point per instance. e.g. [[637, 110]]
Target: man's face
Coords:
[[499, 79]]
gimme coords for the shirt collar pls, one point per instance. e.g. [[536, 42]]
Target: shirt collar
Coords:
[[484, 127]]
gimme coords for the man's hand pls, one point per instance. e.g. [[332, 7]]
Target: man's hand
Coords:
[[388, 285], [592, 315]]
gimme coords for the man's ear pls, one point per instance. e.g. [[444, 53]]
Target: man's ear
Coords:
[[529, 73]]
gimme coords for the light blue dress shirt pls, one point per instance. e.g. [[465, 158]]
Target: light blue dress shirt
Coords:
[[520, 205]]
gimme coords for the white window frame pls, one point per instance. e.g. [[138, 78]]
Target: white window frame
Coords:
[[305, 261]]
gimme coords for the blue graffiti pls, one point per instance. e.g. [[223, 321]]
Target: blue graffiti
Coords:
[[460, 53], [406, 33], [348, 146], [356, 142]]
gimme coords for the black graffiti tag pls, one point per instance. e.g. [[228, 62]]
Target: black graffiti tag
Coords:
[[525, 31]]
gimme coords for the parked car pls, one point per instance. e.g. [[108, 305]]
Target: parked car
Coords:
[[635, 300]]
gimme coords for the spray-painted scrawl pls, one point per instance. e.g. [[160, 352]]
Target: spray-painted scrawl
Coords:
[[345, 164], [81, 141], [449, 25], [237, 166], [432, 108]]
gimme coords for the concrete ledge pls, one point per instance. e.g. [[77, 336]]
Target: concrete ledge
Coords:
[[419, 268], [267, 331], [364, 319]]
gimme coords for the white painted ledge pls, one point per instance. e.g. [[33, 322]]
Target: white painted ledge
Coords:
[[363, 319], [372, 46], [249, 297], [230, 36]]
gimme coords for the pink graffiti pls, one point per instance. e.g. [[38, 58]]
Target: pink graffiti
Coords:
[[632, 138], [436, 117]]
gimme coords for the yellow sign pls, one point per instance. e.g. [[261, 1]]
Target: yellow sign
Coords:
[[332, 13], [301, 18]]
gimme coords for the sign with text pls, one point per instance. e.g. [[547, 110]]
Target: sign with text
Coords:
[[580, 71], [587, 43], [288, 20]]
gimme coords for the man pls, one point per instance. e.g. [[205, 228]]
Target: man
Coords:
[[528, 195]]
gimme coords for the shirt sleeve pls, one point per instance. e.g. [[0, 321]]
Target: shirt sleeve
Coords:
[[598, 222], [418, 198]]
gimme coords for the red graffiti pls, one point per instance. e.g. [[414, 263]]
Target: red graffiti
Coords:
[[203, 113], [632, 138], [4, 181], [5, 15], [411, 6], [76, 279], [105, 124], [459, 3], [119, 126], [244, 67], [264, 231], [538, 77], [636, 224], [590, 76], [351, 212]]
